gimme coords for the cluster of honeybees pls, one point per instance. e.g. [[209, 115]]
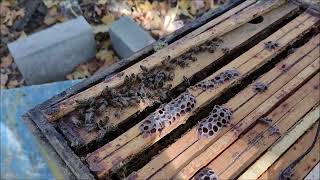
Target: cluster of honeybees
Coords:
[[151, 85]]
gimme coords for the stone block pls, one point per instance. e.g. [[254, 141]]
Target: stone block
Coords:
[[52, 53], [127, 37]]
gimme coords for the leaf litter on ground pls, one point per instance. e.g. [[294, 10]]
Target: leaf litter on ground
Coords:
[[159, 18]]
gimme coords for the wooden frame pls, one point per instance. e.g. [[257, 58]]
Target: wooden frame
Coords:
[[230, 40], [42, 136], [209, 26]]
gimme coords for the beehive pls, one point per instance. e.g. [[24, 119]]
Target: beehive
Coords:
[[226, 98]]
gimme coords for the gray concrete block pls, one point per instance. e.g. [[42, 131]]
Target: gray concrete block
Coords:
[[50, 54], [127, 37]]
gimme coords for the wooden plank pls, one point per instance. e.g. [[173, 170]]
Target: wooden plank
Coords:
[[281, 146], [136, 145], [306, 165], [232, 135], [173, 50], [169, 157], [232, 40], [190, 151], [295, 151], [258, 48], [129, 135], [56, 140], [315, 172], [246, 149]]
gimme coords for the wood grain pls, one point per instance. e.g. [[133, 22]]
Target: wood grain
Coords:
[[275, 79]]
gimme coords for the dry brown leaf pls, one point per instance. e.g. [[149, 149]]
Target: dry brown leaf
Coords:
[[79, 73], [145, 7], [48, 20], [4, 30], [22, 35], [105, 55], [50, 3], [107, 19], [102, 1], [61, 18], [4, 8], [6, 61], [105, 44], [13, 84], [97, 10]]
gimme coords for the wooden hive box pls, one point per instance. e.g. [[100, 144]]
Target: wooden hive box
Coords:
[[235, 93]]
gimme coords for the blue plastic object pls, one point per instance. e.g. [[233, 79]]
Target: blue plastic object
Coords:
[[20, 156]]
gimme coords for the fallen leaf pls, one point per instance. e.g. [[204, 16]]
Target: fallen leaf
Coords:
[[61, 18], [97, 10], [145, 7], [102, 1], [195, 6], [53, 16], [107, 19], [4, 8], [104, 55], [50, 3], [6, 61], [13, 84], [4, 30], [48, 20], [22, 35], [79, 73]]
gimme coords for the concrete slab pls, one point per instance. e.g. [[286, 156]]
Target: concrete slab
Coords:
[[50, 54], [127, 37], [20, 153]]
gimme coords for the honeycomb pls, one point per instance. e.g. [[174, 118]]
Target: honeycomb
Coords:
[[206, 174], [168, 114], [218, 79], [218, 118]]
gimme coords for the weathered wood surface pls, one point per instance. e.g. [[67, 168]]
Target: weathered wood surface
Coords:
[[246, 149], [168, 161], [310, 160], [173, 50], [61, 146], [228, 138], [233, 40], [267, 159], [132, 142]]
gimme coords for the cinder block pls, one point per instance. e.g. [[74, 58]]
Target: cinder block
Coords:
[[50, 54], [127, 37]]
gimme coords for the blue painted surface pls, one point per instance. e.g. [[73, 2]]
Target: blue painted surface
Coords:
[[20, 156]]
